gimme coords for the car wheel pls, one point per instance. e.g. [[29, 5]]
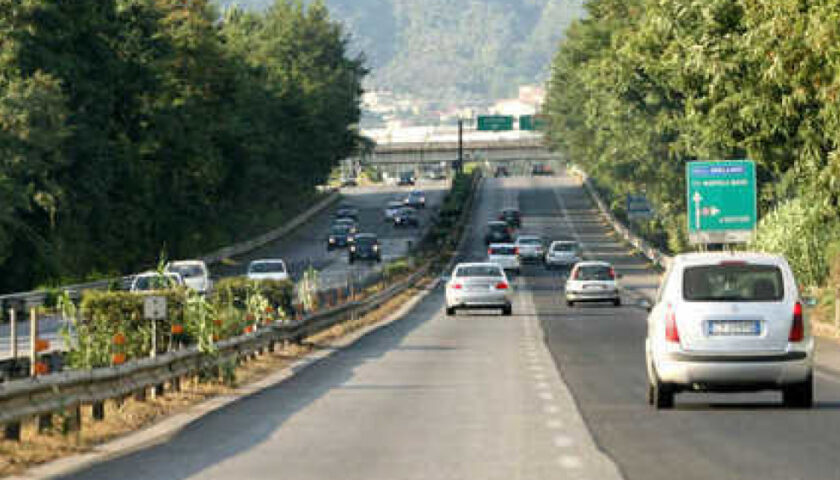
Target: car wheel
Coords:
[[507, 310], [570, 303], [617, 302], [351, 260], [450, 311], [378, 259], [663, 395], [799, 395], [650, 393]]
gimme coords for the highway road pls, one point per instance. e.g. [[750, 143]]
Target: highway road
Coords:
[[305, 246], [551, 392]]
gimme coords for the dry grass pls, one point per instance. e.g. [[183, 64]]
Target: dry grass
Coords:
[[130, 415]]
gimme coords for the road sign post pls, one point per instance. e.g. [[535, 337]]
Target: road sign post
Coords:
[[721, 201]]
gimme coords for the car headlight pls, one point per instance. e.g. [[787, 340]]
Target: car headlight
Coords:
[[352, 248], [332, 240], [376, 248]]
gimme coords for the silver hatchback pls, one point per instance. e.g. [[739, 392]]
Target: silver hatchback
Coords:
[[729, 322], [478, 286]]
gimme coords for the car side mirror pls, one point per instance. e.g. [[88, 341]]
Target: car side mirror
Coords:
[[645, 304]]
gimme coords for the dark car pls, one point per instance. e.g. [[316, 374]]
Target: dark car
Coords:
[[365, 247], [497, 232], [511, 216], [347, 211], [540, 169], [501, 171], [340, 236], [416, 199], [352, 224], [406, 217], [406, 178]]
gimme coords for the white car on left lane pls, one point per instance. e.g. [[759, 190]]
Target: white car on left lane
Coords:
[[478, 286], [268, 269], [195, 274]]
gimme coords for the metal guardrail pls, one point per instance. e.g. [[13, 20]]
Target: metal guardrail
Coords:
[[652, 253]]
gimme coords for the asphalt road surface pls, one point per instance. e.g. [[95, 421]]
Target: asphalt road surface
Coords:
[[551, 392]]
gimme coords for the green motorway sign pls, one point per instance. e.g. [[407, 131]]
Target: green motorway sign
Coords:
[[721, 201], [495, 123], [533, 122]]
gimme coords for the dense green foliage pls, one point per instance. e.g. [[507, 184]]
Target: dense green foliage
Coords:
[[453, 49], [642, 86], [127, 126]]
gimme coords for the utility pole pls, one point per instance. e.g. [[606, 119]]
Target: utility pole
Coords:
[[459, 164]]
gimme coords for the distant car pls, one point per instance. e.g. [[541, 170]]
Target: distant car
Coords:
[[540, 169], [349, 182], [365, 247], [497, 232], [729, 322], [501, 171], [391, 209], [592, 281], [406, 217], [478, 286], [151, 281], [436, 174], [416, 199], [406, 178], [511, 216], [504, 254], [194, 272], [530, 248], [268, 269], [347, 211], [341, 235], [562, 253], [350, 223]]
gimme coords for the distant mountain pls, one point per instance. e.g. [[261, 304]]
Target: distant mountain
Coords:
[[453, 49]]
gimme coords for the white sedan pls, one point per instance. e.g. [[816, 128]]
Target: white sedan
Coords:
[[478, 286], [592, 282]]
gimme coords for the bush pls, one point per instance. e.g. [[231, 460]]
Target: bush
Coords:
[[127, 307], [235, 290], [396, 268]]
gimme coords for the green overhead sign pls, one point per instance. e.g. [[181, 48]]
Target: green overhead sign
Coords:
[[533, 122], [721, 201], [495, 123]]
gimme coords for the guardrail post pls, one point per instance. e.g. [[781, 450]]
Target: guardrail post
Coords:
[[13, 333], [33, 339], [98, 411], [140, 395], [73, 419], [175, 384]]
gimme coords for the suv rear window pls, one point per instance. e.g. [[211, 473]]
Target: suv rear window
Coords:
[[733, 283], [502, 250], [479, 271], [563, 247], [497, 227]]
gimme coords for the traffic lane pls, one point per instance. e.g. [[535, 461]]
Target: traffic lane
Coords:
[[307, 245], [599, 350], [429, 396]]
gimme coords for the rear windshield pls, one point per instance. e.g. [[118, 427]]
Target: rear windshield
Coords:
[[496, 227], [530, 241], [365, 241], [479, 271], [510, 213], [502, 250], [187, 271], [594, 272], [563, 247], [267, 267], [340, 229], [727, 283]]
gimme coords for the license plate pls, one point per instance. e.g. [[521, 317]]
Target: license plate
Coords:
[[733, 327], [594, 287]]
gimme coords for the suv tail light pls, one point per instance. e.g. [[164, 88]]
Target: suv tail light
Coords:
[[516, 251], [612, 273], [457, 286], [501, 286], [489, 251], [797, 329], [671, 333]]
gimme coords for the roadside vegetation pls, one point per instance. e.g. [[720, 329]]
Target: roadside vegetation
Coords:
[[640, 87], [131, 125]]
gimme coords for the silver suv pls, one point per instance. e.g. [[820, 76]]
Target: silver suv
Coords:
[[729, 322]]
